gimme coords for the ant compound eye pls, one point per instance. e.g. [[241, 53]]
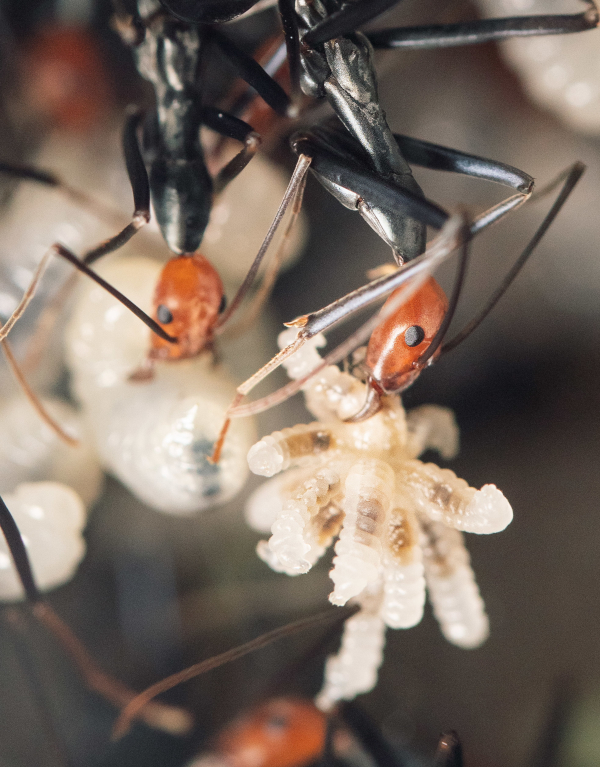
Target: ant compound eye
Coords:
[[414, 335], [223, 304], [164, 315]]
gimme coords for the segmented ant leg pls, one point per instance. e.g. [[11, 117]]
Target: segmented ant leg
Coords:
[[33, 399], [250, 71], [449, 751], [571, 180], [161, 716], [123, 723], [483, 31], [436, 157], [346, 20], [138, 178], [232, 127], [401, 212]]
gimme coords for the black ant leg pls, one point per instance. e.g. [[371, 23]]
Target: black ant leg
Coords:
[[436, 157], [346, 20], [165, 717], [228, 125], [138, 178], [397, 214], [250, 71], [19, 554], [449, 751], [483, 31], [289, 22], [369, 735]]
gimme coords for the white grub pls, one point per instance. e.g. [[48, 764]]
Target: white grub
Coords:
[[156, 437], [355, 667], [453, 592], [388, 506], [50, 517]]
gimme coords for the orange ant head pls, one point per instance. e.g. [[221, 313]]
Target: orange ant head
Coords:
[[397, 344], [187, 302], [283, 732]]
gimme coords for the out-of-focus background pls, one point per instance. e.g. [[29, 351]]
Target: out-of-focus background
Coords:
[[155, 593]]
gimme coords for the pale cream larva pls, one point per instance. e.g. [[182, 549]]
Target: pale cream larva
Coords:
[[560, 72], [398, 519], [155, 436], [30, 451], [50, 517]]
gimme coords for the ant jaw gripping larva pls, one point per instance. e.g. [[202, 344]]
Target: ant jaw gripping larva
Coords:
[[399, 520]]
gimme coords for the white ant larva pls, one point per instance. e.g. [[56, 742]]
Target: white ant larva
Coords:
[[50, 517], [156, 437], [399, 521], [30, 451]]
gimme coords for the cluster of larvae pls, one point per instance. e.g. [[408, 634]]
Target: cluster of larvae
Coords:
[[399, 522]]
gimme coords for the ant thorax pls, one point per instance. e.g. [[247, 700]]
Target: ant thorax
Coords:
[[399, 521]]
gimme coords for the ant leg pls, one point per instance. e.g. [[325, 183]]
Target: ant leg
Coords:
[[289, 22], [572, 177], [138, 178], [250, 71], [346, 20], [483, 31], [161, 716], [449, 751], [352, 182], [436, 157], [232, 127]]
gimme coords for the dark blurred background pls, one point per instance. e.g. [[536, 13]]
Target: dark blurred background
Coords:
[[155, 593]]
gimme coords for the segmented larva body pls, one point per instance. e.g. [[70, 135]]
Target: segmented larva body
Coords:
[[278, 451], [453, 592], [292, 544], [354, 669], [443, 497], [403, 574], [369, 490], [388, 506]]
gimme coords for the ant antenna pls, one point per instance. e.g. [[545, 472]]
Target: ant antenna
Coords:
[[293, 193], [123, 723], [33, 399], [453, 303], [572, 177], [161, 716]]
